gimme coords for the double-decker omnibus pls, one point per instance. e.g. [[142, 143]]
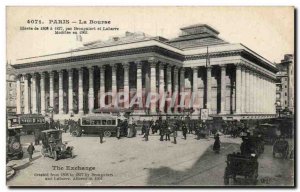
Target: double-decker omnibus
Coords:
[[93, 124], [31, 122]]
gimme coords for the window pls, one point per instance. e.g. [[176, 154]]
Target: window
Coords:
[[113, 122], [103, 122], [285, 94], [108, 122]]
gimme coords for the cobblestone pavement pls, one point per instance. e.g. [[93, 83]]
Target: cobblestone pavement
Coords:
[[135, 162]]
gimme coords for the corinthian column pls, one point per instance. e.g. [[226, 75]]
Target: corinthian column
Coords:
[[208, 88], [223, 88], [169, 89], [247, 91], [80, 91], [102, 86], [26, 94], [91, 89], [126, 85], [175, 84], [182, 88], [195, 90], [51, 88], [43, 98], [114, 85], [33, 93], [238, 88], [139, 81], [243, 89], [161, 88], [153, 90], [70, 91], [18, 101], [60, 92]]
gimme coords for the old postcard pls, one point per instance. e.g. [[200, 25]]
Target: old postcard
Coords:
[[150, 96]]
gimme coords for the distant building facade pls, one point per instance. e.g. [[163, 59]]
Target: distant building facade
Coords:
[[285, 84], [228, 80], [11, 91]]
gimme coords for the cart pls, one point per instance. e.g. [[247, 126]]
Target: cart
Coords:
[[281, 147], [241, 165]]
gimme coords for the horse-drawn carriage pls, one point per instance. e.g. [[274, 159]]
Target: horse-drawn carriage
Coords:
[[241, 165], [257, 143], [269, 132], [281, 147]]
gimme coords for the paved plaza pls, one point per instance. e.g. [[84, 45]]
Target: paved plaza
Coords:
[[135, 162]]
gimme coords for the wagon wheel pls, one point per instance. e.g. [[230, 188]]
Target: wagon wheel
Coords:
[[286, 153], [43, 152], [107, 133], [55, 157], [20, 155], [254, 177], [226, 176], [75, 134]]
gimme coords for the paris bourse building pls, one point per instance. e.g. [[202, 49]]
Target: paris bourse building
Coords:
[[229, 80]]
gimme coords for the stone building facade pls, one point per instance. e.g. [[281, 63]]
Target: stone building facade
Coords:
[[196, 70], [285, 84]]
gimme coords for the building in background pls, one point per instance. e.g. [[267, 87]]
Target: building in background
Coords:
[[285, 85], [230, 81]]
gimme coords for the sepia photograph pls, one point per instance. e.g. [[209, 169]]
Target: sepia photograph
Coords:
[[165, 96]]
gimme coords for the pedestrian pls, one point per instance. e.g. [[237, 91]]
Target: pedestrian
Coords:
[[143, 128], [174, 131], [30, 151], [118, 132], [217, 143], [162, 131], [184, 130], [168, 132], [101, 135], [36, 137], [47, 125], [147, 132]]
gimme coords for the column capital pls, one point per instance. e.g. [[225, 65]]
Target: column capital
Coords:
[[195, 68], [169, 67], [139, 64], [176, 68], [102, 67], [91, 67], [153, 60], [113, 65], [70, 70], [238, 65], [43, 74], [125, 65], [19, 76], [161, 65], [26, 76], [182, 69], [51, 72], [223, 66], [34, 75]]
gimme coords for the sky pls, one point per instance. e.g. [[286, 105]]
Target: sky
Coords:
[[269, 31]]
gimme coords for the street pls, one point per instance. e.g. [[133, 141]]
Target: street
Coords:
[[135, 162]]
